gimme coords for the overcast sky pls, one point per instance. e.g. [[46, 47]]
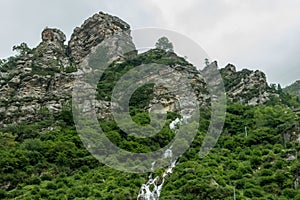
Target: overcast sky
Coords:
[[256, 34]]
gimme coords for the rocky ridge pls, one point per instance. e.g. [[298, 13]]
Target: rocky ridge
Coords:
[[92, 32], [38, 82], [246, 86]]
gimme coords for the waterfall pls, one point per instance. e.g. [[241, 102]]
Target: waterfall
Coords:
[[152, 189]]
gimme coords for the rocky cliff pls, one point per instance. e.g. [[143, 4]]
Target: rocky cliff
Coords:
[[92, 32], [38, 82], [246, 86]]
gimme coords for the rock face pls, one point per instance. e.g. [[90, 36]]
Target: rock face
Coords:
[[245, 86], [92, 32], [51, 52], [167, 90], [172, 97], [38, 83], [54, 36]]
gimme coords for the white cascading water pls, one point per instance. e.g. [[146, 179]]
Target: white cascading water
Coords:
[[152, 189]]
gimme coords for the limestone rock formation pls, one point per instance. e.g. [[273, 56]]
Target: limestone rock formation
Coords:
[[38, 83], [92, 32], [246, 86], [53, 36], [51, 52]]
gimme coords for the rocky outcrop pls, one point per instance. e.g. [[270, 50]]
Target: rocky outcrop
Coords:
[[51, 52], [171, 97], [38, 83], [92, 32], [54, 36], [246, 86], [35, 86], [169, 89]]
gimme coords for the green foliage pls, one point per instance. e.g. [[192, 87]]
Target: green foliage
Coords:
[[9, 64], [71, 68], [22, 49], [164, 44], [47, 160], [116, 70], [37, 162], [293, 89]]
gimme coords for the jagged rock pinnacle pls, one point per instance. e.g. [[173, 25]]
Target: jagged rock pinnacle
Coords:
[[92, 32], [53, 35]]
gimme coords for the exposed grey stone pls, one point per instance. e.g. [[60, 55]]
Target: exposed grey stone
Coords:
[[93, 31], [39, 79]]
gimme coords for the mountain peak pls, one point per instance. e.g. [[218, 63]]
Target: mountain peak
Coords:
[[92, 32], [53, 35]]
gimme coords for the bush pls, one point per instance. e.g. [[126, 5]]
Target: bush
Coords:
[[33, 181], [289, 193], [46, 177], [253, 192], [2, 194], [51, 186]]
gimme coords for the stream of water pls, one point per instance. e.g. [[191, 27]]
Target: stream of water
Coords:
[[152, 188]]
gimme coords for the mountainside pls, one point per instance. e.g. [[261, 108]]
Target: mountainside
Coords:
[[293, 88], [43, 157], [246, 86], [39, 80]]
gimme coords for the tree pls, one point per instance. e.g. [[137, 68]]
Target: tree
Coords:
[[279, 89], [206, 60], [164, 44], [22, 49], [273, 87]]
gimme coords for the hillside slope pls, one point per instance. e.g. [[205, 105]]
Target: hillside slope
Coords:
[[43, 157], [293, 88]]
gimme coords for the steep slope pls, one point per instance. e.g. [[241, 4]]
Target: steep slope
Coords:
[[246, 86], [42, 155], [38, 82], [293, 88]]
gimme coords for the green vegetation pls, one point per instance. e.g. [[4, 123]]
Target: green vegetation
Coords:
[[164, 44], [257, 153], [293, 88], [114, 72], [38, 162], [22, 49], [23, 52]]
